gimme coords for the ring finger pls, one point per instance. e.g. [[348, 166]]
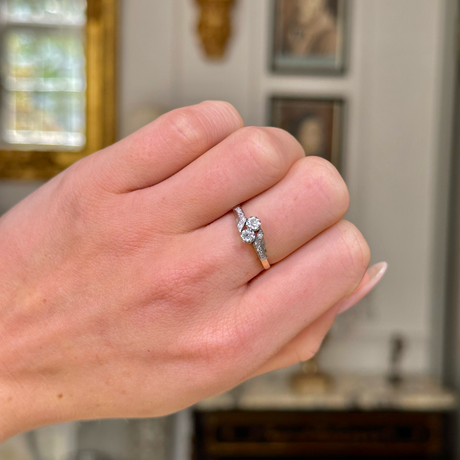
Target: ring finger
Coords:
[[309, 199]]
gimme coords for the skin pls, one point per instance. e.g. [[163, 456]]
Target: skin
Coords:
[[127, 292]]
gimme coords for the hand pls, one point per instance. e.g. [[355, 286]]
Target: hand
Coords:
[[127, 291]]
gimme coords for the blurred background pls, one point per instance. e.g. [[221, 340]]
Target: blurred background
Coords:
[[370, 85]]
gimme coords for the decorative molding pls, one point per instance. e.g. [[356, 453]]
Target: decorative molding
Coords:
[[214, 27], [101, 39]]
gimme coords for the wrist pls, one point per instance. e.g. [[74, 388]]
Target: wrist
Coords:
[[25, 404], [25, 401], [10, 423], [13, 419]]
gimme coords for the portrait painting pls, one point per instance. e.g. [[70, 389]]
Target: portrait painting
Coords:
[[316, 123], [309, 36]]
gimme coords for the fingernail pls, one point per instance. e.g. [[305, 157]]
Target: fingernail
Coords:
[[373, 275]]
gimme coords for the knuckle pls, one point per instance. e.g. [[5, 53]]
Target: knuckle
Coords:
[[183, 286], [74, 200], [185, 126], [327, 182], [229, 337], [355, 253], [221, 341], [263, 152], [212, 346], [225, 110]]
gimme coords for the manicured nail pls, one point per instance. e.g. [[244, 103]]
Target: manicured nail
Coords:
[[373, 275]]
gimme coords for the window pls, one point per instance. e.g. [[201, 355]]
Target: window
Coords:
[[56, 83]]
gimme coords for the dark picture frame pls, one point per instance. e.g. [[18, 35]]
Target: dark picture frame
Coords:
[[317, 123], [310, 37]]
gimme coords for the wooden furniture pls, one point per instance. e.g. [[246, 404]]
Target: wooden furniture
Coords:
[[361, 417]]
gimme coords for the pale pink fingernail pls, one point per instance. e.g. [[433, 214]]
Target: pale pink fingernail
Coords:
[[373, 275]]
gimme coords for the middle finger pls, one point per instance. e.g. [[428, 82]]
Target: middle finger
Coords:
[[248, 162]]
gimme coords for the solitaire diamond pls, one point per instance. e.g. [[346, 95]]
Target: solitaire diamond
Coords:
[[248, 236], [253, 223]]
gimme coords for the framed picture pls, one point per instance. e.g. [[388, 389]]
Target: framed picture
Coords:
[[316, 123], [309, 36]]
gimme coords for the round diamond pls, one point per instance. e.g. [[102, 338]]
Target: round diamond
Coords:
[[253, 224], [248, 236]]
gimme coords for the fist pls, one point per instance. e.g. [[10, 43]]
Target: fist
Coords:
[[128, 292]]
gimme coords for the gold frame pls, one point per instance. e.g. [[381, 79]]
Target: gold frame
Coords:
[[101, 45]]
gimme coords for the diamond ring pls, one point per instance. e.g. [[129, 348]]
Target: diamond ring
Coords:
[[251, 233]]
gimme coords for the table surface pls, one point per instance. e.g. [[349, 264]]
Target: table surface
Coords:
[[348, 392]]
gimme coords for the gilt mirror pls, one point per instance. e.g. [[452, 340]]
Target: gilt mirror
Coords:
[[57, 83]]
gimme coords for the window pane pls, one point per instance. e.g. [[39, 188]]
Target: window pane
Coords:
[[44, 60], [21, 56], [44, 74], [23, 10], [45, 118], [47, 11]]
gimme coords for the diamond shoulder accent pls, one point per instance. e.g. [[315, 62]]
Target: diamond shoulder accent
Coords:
[[240, 218], [259, 245]]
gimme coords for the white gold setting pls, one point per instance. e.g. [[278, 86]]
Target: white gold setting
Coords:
[[251, 233]]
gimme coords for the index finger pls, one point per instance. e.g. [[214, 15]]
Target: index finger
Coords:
[[165, 146]]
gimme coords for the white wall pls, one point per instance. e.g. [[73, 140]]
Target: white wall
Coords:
[[393, 89]]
